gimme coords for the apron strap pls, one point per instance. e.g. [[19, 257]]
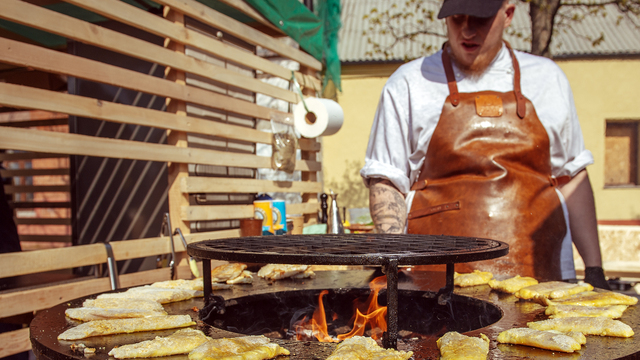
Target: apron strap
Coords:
[[453, 87]]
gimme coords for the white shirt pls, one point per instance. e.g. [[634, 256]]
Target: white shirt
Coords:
[[412, 99]]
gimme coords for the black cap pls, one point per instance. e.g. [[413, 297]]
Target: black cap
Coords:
[[477, 8]]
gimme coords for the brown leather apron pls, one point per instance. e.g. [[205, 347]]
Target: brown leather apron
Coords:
[[487, 174]]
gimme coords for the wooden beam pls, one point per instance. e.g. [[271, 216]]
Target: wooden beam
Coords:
[[42, 221], [133, 16], [14, 342], [17, 189], [30, 115], [252, 13], [27, 97], [222, 185], [20, 302], [225, 23], [72, 28], [22, 54], [39, 140], [33, 172], [225, 212]]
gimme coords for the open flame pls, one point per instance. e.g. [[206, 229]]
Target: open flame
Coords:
[[366, 315]]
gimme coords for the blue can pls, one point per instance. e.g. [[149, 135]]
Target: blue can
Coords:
[[279, 215]]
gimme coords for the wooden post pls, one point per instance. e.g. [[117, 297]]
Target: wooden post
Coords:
[[309, 155], [177, 171]]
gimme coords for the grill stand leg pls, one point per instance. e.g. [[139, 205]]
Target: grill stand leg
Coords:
[[444, 294], [206, 278], [390, 337]]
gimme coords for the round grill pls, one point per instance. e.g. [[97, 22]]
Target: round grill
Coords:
[[351, 249]]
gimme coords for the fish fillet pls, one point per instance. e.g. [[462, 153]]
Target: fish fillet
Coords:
[[602, 326], [592, 298], [365, 348], [560, 311], [125, 326], [226, 272], [96, 313], [477, 277], [182, 341], [513, 284], [282, 271], [160, 295], [244, 278], [240, 348], [124, 303], [454, 345], [195, 284], [540, 339], [552, 290]]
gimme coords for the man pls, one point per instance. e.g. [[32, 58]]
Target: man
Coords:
[[478, 140]]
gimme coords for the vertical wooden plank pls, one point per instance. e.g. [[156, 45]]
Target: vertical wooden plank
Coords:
[[177, 199], [309, 155]]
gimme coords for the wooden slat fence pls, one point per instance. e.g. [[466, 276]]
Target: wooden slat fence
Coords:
[[213, 76]]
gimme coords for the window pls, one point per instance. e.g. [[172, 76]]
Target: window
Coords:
[[621, 153]]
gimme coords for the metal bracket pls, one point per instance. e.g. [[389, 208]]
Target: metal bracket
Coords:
[[113, 269], [390, 337], [166, 225]]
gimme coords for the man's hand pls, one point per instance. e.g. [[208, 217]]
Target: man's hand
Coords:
[[387, 206]]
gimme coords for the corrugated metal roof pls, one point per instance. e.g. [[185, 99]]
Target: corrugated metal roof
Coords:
[[620, 37]]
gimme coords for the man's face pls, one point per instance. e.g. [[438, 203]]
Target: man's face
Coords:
[[475, 41]]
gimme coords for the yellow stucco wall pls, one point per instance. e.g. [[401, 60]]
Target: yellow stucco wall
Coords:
[[603, 89], [606, 90]]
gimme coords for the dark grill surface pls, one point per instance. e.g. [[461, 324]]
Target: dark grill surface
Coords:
[[351, 249]]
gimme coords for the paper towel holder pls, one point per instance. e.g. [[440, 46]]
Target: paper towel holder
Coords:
[[310, 118]]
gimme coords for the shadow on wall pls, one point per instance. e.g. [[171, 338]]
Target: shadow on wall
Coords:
[[350, 188]]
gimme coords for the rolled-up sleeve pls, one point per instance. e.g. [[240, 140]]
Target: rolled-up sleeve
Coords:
[[389, 142]]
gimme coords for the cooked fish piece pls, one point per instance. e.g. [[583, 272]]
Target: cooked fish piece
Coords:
[[96, 313], [180, 342], [513, 284], [307, 274], [240, 348], [552, 290], [226, 272], [281, 271], [244, 278], [125, 326], [477, 277], [455, 346], [540, 339], [195, 284], [560, 311], [365, 348], [160, 295], [602, 326], [124, 303], [592, 298]]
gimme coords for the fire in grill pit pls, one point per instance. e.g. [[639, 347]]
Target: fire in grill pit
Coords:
[[337, 314]]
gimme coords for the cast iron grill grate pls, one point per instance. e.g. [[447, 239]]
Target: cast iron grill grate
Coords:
[[350, 249]]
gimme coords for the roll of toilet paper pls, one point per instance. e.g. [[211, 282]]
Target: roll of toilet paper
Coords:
[[328, 117]]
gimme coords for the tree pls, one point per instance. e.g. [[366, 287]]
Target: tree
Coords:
[[418, 18]]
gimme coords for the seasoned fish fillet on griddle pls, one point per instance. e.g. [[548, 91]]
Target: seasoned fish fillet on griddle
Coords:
[[602, 326], [240, 348], [455, 346], [513, 284], [365, 348], [180, 342], [592, 298], [226, 272], [541, 339], [195, 284], [552, 290], [160, 295], [244, 278], [96, 313], [124, 303], [560, 311], [477, 277], [281, 271], [125, 326]]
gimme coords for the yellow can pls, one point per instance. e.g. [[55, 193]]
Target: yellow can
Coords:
[[262, 210]]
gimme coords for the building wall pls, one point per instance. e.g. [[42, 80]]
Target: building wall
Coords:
[[603, 90]]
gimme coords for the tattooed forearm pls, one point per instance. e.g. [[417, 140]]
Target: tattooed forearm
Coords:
[[387, 207]]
